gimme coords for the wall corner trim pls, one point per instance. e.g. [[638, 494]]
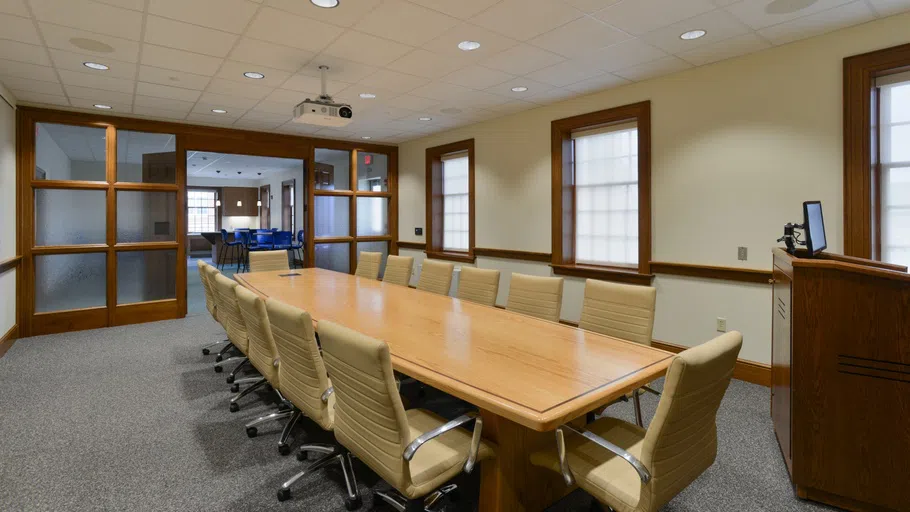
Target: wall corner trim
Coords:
[[8, 339]]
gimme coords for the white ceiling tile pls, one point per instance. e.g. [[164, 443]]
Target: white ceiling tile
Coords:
[[166, 91], [412, 102], [462, 9], [227, 102], [232, 70], [522, 59], [263, 126], [116, 108], [227, 15], [477, 77], [722, 3], [61, 38], [425, 64], [168, 104], [655, 68], [21, 52], [270, 55], [360, 47], [95, 81], [388, 79], [24, 84], [24, 70], [638, 17], [623, 55], [239, 89], [755, 13], [598, 83], [210, 119], [513, 106], [136, 5], [339, 69], [551, 96], [91, 16], [19, 29], [16, 7], [590, 6], [275, 108], [505, 88], [290, 30], [179, 60], [440, 91], [577, 37], [170, 77], [719, 25], [298, 128], [159, 113], [285, 97], [37, 97], [565, 73], [491, 43], [312, 84], [98, 95], [890, 7], [74, 62], [183, 36], [345, 14], [473, 99], [820, 23], [405, 22], [733, 47], [518, 20], [267, 117], [205, 109]]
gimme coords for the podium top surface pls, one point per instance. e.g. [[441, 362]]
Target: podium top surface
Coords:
[[843, 263]]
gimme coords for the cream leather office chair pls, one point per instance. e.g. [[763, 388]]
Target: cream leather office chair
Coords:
[[261, 350], [622, 311], [210, 304], [415, 451], [478, 285], [263, 261], [631, 469], [232, 320], [368, 264], [306, 385], [398, 270], [436, 276], [536, 296]]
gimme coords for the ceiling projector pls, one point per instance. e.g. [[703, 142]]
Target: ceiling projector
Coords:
[[323, 111]]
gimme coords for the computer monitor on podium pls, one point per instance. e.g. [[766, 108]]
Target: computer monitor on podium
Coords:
[[814, 226]]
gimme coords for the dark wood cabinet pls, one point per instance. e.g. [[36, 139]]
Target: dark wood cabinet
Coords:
[[247, 197]]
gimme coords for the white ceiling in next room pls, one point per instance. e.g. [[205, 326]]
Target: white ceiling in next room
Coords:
[[200, 164], [397, 62]]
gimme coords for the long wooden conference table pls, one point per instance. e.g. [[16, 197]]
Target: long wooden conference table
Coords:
[[527, 376]]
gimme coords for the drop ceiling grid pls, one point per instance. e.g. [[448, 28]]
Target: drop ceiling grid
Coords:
[[401, 50]]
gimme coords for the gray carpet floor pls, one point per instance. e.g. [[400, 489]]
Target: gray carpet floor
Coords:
[[134, 418]]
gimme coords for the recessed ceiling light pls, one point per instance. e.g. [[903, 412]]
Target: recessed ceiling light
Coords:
[[367, 95], [327, 4], [520, 88], [95, 65], [366, 137], [102, 107], [254, 75], [219, 111], [468, 45], [692, 34], [425, 119]]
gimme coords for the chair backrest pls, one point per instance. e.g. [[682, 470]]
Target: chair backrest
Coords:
[[224, 235], [681, 442], [262, 353], [283, 238], [206, 287], [368, 264], [300, 236], [229, 312], [398, 270], [436, 276], [479, 285], [370, 420], [243, 236], [263, 261], [302, 372], [623, 311], [210, 271], [264, 238], [536, 296]]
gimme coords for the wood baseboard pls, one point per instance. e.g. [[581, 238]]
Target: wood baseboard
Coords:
[[749, 371], [8, 339]]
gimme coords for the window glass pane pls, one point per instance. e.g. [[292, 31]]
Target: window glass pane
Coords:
[[332, 216], [144, 276], [332, 169], [146, 216], [64, 152], [70, 217], [372, 216], [900, 103], [144, 157], [382, 247], [200, 206], [70, 281], [335, 257], [372, 172], [456, 204], [900, 143]]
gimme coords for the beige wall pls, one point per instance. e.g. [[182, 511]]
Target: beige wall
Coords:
[[736, 147], [7, 209]]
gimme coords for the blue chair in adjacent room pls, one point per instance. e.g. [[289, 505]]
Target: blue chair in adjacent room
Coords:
[[233, 247], [265, 240], [246, 243], [298, 247], [283, 241]]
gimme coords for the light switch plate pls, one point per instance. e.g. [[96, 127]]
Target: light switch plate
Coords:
[[418, 231], [721, 324], [742, 253]]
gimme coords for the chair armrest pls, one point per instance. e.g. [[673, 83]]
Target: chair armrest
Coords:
[[457, 422], [329, 392], [640, 468]]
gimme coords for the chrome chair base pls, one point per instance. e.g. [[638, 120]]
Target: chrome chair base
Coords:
[[330, 454], [207, 349], [258, 384], [427, 504], [283, 447]]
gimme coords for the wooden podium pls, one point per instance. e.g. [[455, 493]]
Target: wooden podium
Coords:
[[840, 392]]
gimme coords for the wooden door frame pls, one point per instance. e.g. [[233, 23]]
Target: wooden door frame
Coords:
[[267, 204], [291, 185]]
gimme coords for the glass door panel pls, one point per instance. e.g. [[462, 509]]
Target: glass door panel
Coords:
[[335, 257], [144, 276], [333, 216], [146, 216], [69, 153], [372, 216], [144, 157], [70, 217], [332, 169], [70, 281]]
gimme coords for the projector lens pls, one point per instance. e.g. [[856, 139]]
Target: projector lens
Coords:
[[345, 112]]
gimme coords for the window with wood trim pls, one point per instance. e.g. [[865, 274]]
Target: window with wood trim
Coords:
[[601, 215], [201, 210], [450, 201], [894, 166]]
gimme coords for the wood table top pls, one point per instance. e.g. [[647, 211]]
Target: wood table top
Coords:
[[537, 373]]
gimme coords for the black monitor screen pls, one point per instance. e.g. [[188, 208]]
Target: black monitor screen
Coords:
[[814, 226]]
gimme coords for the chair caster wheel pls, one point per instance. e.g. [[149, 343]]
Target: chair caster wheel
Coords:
[[302, 456], [354, 504], [284, 449], [218, 369], [283, 407], [229, 379], [235, 388], [251, 432], [205, 352], [284, 494], [219, 359], [234, 407]]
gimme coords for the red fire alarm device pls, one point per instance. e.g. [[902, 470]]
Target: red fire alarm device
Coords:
[[367, 159]]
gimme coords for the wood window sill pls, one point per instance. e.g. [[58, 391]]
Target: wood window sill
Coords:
[[603, 273], [461, 257]]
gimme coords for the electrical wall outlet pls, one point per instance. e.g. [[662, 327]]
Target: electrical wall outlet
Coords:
[[742, 253], [721, 324], [418, 231]]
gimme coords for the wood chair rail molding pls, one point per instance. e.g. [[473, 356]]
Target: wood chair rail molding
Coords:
[[10, 264], [743, 275]]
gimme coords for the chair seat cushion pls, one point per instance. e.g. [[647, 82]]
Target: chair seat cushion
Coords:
[[606, 476], [440, 459]]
